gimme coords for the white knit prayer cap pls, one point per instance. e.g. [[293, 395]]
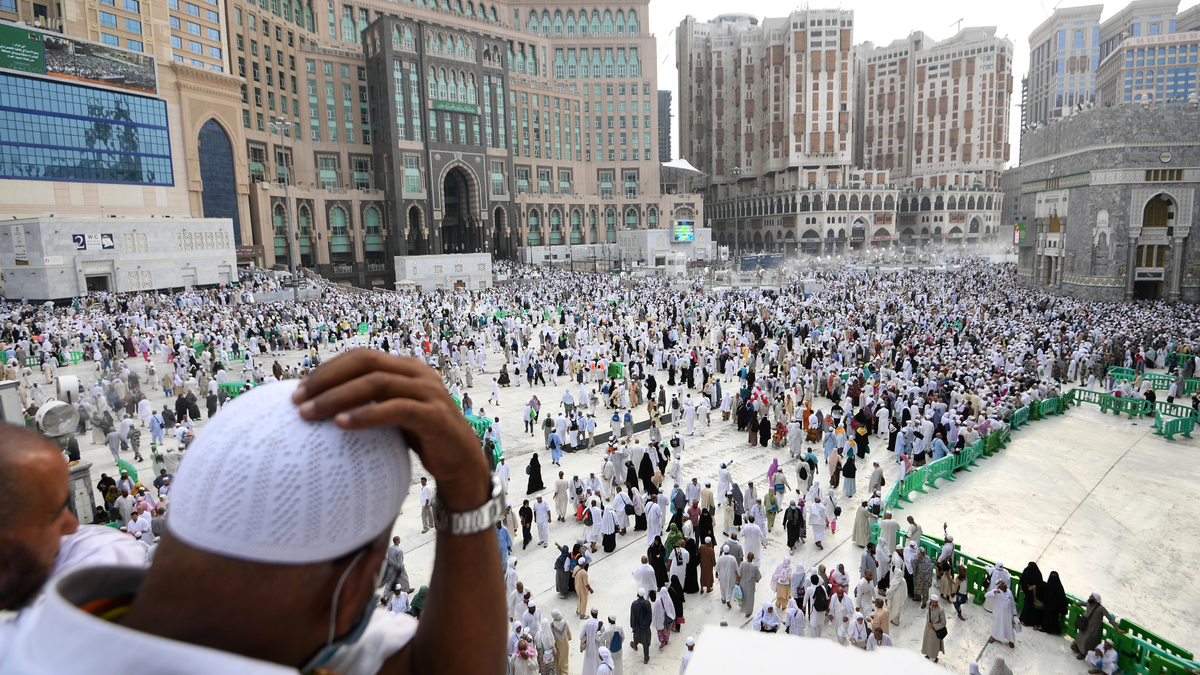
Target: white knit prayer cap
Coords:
[[262, 484]]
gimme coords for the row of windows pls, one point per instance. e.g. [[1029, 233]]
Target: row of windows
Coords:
[[477, 10], [82, 165], [110, 20], [129, 5], [559, 26], [53, 131], [68, 132], [596, 67], [68, 99], [133, 45]]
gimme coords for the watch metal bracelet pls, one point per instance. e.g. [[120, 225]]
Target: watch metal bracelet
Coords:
[[473, 521]]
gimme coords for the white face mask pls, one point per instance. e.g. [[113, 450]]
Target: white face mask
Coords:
[[356, 631]]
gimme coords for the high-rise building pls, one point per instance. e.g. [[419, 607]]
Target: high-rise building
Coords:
[[936, 116], [1158, 69], [1140, 18], [794, 126], [766, 111], [664, 125], [1067, 48], [1061, 74], [400, 127]]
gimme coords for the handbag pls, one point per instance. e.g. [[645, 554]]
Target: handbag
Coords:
[[629, 509], [941, 633], [738, 595], [1081, 623]]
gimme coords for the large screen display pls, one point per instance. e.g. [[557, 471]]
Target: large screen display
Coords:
[[39, 53], [1020, 237], [683, 230]]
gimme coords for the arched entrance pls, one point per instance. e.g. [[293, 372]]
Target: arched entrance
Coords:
[[460, 232], [1151, 261], [810, 241], [499, 238], [416, 243], [219, 197]]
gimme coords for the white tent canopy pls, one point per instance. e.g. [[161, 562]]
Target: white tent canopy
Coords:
[[682, 164]]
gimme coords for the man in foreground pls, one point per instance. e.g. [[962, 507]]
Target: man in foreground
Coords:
[[282, 579]]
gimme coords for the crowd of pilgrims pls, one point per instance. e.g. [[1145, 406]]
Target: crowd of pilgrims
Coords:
[[926, 361]]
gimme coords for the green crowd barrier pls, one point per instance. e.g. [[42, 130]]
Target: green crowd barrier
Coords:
[[1035, 410], [33, 362], [234, 388], [1169, 427], [1114, 404], [1141, 651], [198, 347], [76, 357], [991, 444], [1157, 381], [1122, 374], [1174, 409], [1020, 416], [1051, 406], [616, 370], [479, 424], [1137, 646]]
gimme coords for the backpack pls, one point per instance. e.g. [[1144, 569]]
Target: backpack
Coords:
[[803, 472], [674, 442], [821, 599], [587, 518]]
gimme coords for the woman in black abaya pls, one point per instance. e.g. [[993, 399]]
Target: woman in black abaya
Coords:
[[1033, 588], [535, 475]]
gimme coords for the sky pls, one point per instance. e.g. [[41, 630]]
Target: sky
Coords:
[[878, 21]]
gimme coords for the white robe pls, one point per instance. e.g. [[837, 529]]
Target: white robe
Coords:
[[653, 523], [591, 654], [1003, 611], [752, 540]]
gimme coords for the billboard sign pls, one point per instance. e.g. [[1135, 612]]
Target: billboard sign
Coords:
[[452, 106], [683, 231], [1020, 235], [31, 51], [21, 49]]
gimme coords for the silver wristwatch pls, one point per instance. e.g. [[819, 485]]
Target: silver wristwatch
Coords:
[[470, 522]]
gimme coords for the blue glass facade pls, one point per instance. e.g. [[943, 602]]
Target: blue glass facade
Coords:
[[219, 197], [61, 131]]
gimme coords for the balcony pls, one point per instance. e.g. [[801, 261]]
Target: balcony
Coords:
[[376, 267]]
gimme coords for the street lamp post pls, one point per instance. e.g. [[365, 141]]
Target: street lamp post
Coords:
[[735, 172], [284, 125]]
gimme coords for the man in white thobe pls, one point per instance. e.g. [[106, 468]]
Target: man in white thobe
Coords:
[[1003, 611], [654, 522], [591, 652], [727, 567], [541, 516], [752, 537], [689, 417], [841, 607], [816, 518]]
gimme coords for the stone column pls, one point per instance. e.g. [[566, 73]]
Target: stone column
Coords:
[[82, 500], [1176, 271], [1130, 262]]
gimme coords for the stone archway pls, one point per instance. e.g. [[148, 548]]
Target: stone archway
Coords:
[[417, 244], [499, 233], [459, 230]]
